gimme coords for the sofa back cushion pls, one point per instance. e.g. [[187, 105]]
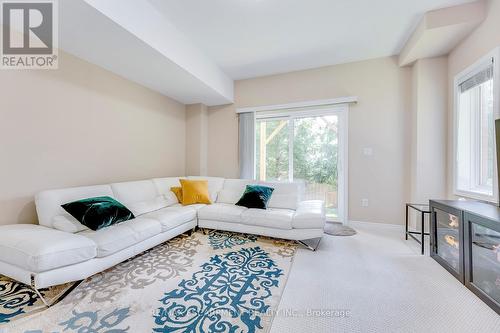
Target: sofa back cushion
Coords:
[[68, 223], [48, 203], [233, 189], [285, 195], [163, 186], [140, 196], [136, 191], [215, 185], [142, 207]]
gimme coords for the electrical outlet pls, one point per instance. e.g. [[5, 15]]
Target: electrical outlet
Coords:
[[364, 203], [368, 151]]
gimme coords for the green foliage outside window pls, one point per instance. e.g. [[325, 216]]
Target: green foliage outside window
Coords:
[[315, 150]]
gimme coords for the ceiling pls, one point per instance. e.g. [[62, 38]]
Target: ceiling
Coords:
[[147, 49], [250, 38]]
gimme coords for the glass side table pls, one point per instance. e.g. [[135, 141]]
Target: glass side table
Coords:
[[422, 209]]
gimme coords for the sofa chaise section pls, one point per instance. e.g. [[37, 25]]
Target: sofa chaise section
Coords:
[[40, 249], [158, 218]]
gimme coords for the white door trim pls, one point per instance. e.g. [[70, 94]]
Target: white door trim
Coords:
[[344, 165], [298, 105]]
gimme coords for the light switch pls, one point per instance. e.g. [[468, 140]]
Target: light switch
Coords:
[[368, 151], [364, 203]]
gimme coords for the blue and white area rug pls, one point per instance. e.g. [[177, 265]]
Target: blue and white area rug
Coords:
[[18, 300], [220, 282]]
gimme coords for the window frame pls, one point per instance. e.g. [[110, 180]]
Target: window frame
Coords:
[[458, 80]]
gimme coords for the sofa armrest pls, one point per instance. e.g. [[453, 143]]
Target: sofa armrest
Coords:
[[310, 214]]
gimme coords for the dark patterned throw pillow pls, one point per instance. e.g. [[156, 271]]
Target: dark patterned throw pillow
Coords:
[[256, 196], [99, 212]]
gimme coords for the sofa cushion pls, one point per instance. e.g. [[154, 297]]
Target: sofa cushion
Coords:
[[233, 190], [136, 191], [215, 184], [173, 216], [38, 249], [310, 215], [67, 223], [142, 196], [48, 203], [121, 236], [163, 186], [197, 207], [221, 212], [143, 207], [271, 218], [286, 195]]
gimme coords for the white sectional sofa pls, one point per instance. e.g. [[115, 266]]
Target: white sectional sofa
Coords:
[[61, 250]]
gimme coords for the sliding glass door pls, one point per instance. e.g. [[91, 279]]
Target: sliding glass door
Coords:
[[315, 159], [305, 147]]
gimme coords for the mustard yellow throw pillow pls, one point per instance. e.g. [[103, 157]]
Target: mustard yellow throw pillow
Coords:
[[195, 192], [178, 192]]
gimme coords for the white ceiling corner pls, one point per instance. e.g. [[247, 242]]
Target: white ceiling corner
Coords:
[[131, 39], [440, 31], [251, 38], [192, 50]]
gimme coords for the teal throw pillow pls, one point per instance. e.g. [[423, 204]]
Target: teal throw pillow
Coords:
[[99, 212], [256, 196]]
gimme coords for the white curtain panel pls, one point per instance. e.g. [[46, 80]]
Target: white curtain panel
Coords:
[[247, 145]]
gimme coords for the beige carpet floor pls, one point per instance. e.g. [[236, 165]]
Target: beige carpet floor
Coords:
[[376, 281]]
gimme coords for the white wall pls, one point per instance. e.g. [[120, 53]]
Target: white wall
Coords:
[[196, 140], [429, 129], [81, 125], [428, 134], [381, 120]]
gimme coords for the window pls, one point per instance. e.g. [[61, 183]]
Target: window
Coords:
[[475, 114]]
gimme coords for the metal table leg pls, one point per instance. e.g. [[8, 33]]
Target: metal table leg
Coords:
[[413, 233], [406, 232], [422, 232]]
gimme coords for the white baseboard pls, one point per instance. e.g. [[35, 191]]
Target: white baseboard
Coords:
[[373, 224]]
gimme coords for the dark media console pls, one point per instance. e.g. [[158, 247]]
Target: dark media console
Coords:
[[465, 239]]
